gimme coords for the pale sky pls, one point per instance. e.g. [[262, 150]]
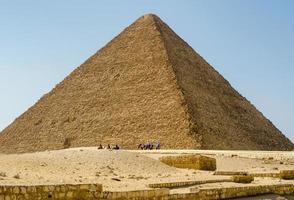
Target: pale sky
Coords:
[[249, 42]]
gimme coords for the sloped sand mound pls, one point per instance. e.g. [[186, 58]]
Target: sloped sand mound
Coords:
[[114, 169]]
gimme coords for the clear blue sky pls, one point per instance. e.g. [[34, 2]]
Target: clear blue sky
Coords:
[[250, 42]]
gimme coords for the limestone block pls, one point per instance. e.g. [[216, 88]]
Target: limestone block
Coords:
[[23, 190], [69, 194], [242, 178], [16, 190], [230, 173], [287, 174], [196, 162]]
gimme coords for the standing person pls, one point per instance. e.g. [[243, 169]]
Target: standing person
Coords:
[[148, 146], [158, 145]]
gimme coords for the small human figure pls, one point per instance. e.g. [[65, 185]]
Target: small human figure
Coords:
[[158, 145], [100, 147], [116, 147], [108, 146], [147, 146], [151, 146]]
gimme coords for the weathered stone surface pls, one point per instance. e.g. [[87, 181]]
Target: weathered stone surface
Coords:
[[186, 183], [230, 173], [287, 174], [242, 178], [197, 162], [68, 192], [73, 192], [147, 84]]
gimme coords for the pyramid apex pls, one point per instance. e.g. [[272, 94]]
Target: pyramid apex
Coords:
[[149, 16]]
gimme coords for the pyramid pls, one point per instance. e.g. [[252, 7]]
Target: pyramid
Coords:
[[147, 84]]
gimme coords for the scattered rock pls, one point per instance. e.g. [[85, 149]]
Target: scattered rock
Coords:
[[115, 179], [3, 174], [16, 176]]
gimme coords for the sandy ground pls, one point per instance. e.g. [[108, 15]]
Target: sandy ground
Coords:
[[250, 161], [268, 197], [127, 170]]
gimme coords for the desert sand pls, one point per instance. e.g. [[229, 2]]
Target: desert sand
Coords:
[[123, 170]]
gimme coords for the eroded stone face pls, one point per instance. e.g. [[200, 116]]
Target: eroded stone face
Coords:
[[84, 192], [67, 192], [287, 174], [196, 162], [242, 178]]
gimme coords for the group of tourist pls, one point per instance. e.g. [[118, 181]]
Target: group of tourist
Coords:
[[115, 147], [149, 146]]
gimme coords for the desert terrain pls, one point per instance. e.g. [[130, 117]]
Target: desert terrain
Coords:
[[132, 170]]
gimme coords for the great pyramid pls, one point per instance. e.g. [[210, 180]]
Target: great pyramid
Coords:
[[147, 84]]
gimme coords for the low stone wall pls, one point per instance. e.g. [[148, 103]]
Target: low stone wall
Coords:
[[242, 178], [230, 173], [234, 192], [202, 194], [94, 192], [141, 194], [187, 183], [287, 174], [274, 175], [196, 162], [43, 192], [283, 174]]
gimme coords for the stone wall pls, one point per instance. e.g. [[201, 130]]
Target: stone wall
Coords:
[[283, 174], [141, 194], [43, 192], [242, 178], [201, 194], [230, 173], [187, 183], [197, 162], [287, 174], [94, 192], [233, 192]]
